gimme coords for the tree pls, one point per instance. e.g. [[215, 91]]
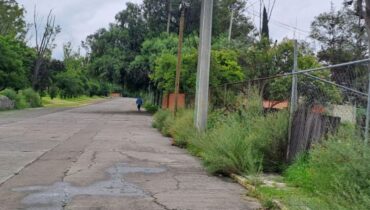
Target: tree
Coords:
[[313, 91], [241, 24], [157, 14], [113, 49], [341, 35], [44, 43], [265, 25], [131, 20], [109, 54], [363, 11], [224, 65], [128, 52], [15, 62], [12, 19], [48, 72]]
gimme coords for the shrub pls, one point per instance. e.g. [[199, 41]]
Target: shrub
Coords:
[[151, 108], [32, 97], [94, 88], [53, 91], [337, 170], [183, 130], [21, 102], [105, 89], [159, 118], [70, 84], [19, 99], [10, 93]]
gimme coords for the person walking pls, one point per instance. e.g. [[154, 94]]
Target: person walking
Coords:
[[139, 103]]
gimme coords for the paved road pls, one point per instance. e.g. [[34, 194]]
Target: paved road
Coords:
[[103, 156]]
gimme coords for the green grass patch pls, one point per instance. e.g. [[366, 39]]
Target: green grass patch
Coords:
[[291, 198], [69, 102]]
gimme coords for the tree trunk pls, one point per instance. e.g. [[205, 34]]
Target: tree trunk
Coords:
[[36, 72]]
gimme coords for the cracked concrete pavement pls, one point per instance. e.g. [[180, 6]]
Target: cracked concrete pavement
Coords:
[[104, 156]]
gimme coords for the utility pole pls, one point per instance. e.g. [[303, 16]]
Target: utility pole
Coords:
[[204, 57], [231, 23], [169, 15], [367, 126], [179, 54], [294, 97]]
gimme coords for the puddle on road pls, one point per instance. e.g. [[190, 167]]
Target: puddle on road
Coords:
[[58, 195]]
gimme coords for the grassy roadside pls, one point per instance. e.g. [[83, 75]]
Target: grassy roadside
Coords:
[[70, 102], [333, 175]]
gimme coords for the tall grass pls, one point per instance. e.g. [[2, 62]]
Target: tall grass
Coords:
[[337, 170], [225, 150], [244, 142], [182, 129], [162, 120]]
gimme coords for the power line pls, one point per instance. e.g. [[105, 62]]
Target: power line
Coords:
[[282, 24]]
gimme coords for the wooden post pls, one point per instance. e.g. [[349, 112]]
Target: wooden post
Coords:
[[179, 58]]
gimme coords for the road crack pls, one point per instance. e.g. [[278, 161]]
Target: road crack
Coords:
[[93, 159], [155, 200]]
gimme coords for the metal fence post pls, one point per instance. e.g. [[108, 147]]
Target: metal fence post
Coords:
[[225, 94], [294, 96], [368, 111]]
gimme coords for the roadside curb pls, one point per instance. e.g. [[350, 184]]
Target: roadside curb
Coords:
[[247, 184]]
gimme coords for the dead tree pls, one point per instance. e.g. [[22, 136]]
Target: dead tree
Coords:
[[44, 42]]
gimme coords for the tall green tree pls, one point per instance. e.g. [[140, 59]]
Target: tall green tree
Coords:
[[342, 37], [265, 25], [341, 34], [12, 19], [156, 15], [15, 63]]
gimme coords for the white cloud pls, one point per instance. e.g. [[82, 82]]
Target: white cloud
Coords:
[[77, 18]]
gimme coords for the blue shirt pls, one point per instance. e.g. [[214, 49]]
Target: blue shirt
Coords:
[[139, 101]]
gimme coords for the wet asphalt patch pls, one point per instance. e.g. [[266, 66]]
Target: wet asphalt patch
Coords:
[[58, 195]]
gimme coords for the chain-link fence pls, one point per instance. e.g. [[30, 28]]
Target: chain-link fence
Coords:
[[319, 100]]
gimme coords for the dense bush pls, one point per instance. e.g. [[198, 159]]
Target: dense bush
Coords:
[[70, 84], [53, 91], [32, 98], [151, 108], [105, 89], [24, 98], [21, 102], [10, 93], [94, 88], [337, 170]]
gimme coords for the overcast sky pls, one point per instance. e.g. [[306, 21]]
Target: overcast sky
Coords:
[[80, 18]]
